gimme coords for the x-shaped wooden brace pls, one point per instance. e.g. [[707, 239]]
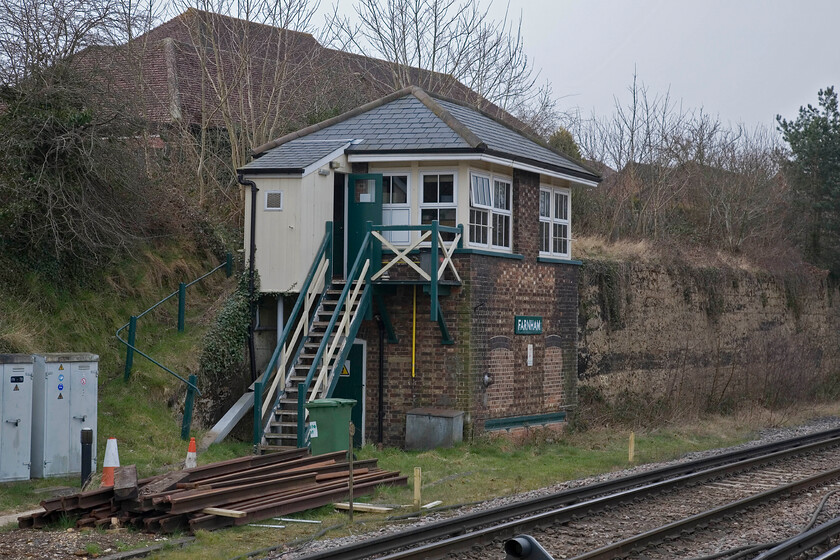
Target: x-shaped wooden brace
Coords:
[[401, 255]]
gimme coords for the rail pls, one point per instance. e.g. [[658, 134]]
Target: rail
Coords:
[[131, 349]]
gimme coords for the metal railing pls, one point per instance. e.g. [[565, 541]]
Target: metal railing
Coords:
[[354, 301], [131, 349], [296, 327]]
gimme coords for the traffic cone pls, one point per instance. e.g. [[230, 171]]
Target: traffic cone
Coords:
[[112, 460], [190, 462]]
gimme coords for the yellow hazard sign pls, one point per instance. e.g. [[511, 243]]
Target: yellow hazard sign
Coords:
[[16, 388], [60, 397], [345, 371], [61, 367]]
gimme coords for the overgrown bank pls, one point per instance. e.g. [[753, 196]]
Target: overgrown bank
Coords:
[[665, 339]]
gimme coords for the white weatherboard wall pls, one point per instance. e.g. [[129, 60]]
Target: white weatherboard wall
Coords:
[[288, 239], [16, 411], [64, 402]]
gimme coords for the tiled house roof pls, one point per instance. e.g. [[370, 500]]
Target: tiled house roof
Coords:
[[170, 62], [411, 121]]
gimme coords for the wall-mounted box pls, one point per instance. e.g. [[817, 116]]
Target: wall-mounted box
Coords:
[[16, 416], [64, 401]]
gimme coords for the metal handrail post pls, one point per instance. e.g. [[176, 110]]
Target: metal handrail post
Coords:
[[258, 389], [188, 409], [301, 425], [228, 265], [328, 234], [433, 291], [129, 351]]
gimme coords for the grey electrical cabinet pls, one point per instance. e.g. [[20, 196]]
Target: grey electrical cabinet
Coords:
[[16, 412], [64, 401]]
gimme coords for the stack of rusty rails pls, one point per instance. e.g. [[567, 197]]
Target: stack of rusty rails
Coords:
[[223, 494]]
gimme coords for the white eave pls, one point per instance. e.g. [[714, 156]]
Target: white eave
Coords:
[[507, 162]]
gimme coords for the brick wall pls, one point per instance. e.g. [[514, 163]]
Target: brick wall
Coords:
[[480, 316]]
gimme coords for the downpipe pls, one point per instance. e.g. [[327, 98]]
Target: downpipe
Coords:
[[251, 252]]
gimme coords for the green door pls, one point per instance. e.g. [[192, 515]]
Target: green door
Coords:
[[364, 204], [351, 385]]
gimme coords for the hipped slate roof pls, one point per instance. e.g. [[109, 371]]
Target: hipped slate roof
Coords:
[[410, 121]]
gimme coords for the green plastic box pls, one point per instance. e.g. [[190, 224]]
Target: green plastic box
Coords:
[[331, 430]]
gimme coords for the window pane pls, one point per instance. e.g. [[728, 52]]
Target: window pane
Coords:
[[545, 204], [386, 190], [478, 227], [560, 241], [561, 207], [501, 200], [399, 189], [427, 215], [447, 189], [501, 230], [430, 189], [365, 190], [480, 191], [545, 230], [447, 218]]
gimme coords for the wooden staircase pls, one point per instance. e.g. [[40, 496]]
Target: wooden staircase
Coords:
[[281, 430]]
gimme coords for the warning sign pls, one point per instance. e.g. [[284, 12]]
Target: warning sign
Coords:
[[345, 371], [60, 397], [16, 388], [61, 367]]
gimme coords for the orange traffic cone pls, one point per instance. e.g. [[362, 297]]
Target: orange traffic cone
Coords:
[[112, 460], [190, 462]]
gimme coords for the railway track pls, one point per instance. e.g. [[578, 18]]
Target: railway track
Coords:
[[725, 478]]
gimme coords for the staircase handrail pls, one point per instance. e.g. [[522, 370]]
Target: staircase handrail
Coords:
[[321, 256], [352, 276]]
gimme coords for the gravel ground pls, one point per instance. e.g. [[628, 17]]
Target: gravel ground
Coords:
[[72, 544], [765, 436]]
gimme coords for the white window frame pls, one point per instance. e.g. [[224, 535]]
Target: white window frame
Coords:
[[268, 208], [437, 205], [552, 219], [490, 209], [398, 237]]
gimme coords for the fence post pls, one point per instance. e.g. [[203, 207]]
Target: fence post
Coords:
[[228, 265], [258, 397], [182, 305], [129, 351], [188, 409]]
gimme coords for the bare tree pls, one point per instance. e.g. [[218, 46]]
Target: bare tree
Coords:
[[256, 60], [449, 39], [681, 174]]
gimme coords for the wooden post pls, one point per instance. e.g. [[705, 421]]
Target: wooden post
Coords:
[[632, 448], [418, 478]]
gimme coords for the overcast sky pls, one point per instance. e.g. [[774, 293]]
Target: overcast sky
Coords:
[[743, 60]]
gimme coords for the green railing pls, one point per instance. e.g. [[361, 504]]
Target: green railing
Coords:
[[131, 349], [368, 266], [322, 258]]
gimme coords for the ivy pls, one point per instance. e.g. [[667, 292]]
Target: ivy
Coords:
[[222, 347]]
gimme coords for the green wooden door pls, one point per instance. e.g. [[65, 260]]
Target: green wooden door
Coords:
[[364, 204], [351, 385]]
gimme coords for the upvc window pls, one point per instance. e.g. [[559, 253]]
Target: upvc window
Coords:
[[490, 211], [555, 226], [437, 200], [396, 208]]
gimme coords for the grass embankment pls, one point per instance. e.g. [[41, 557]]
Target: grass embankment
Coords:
[[491, 468], [143, 413]]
